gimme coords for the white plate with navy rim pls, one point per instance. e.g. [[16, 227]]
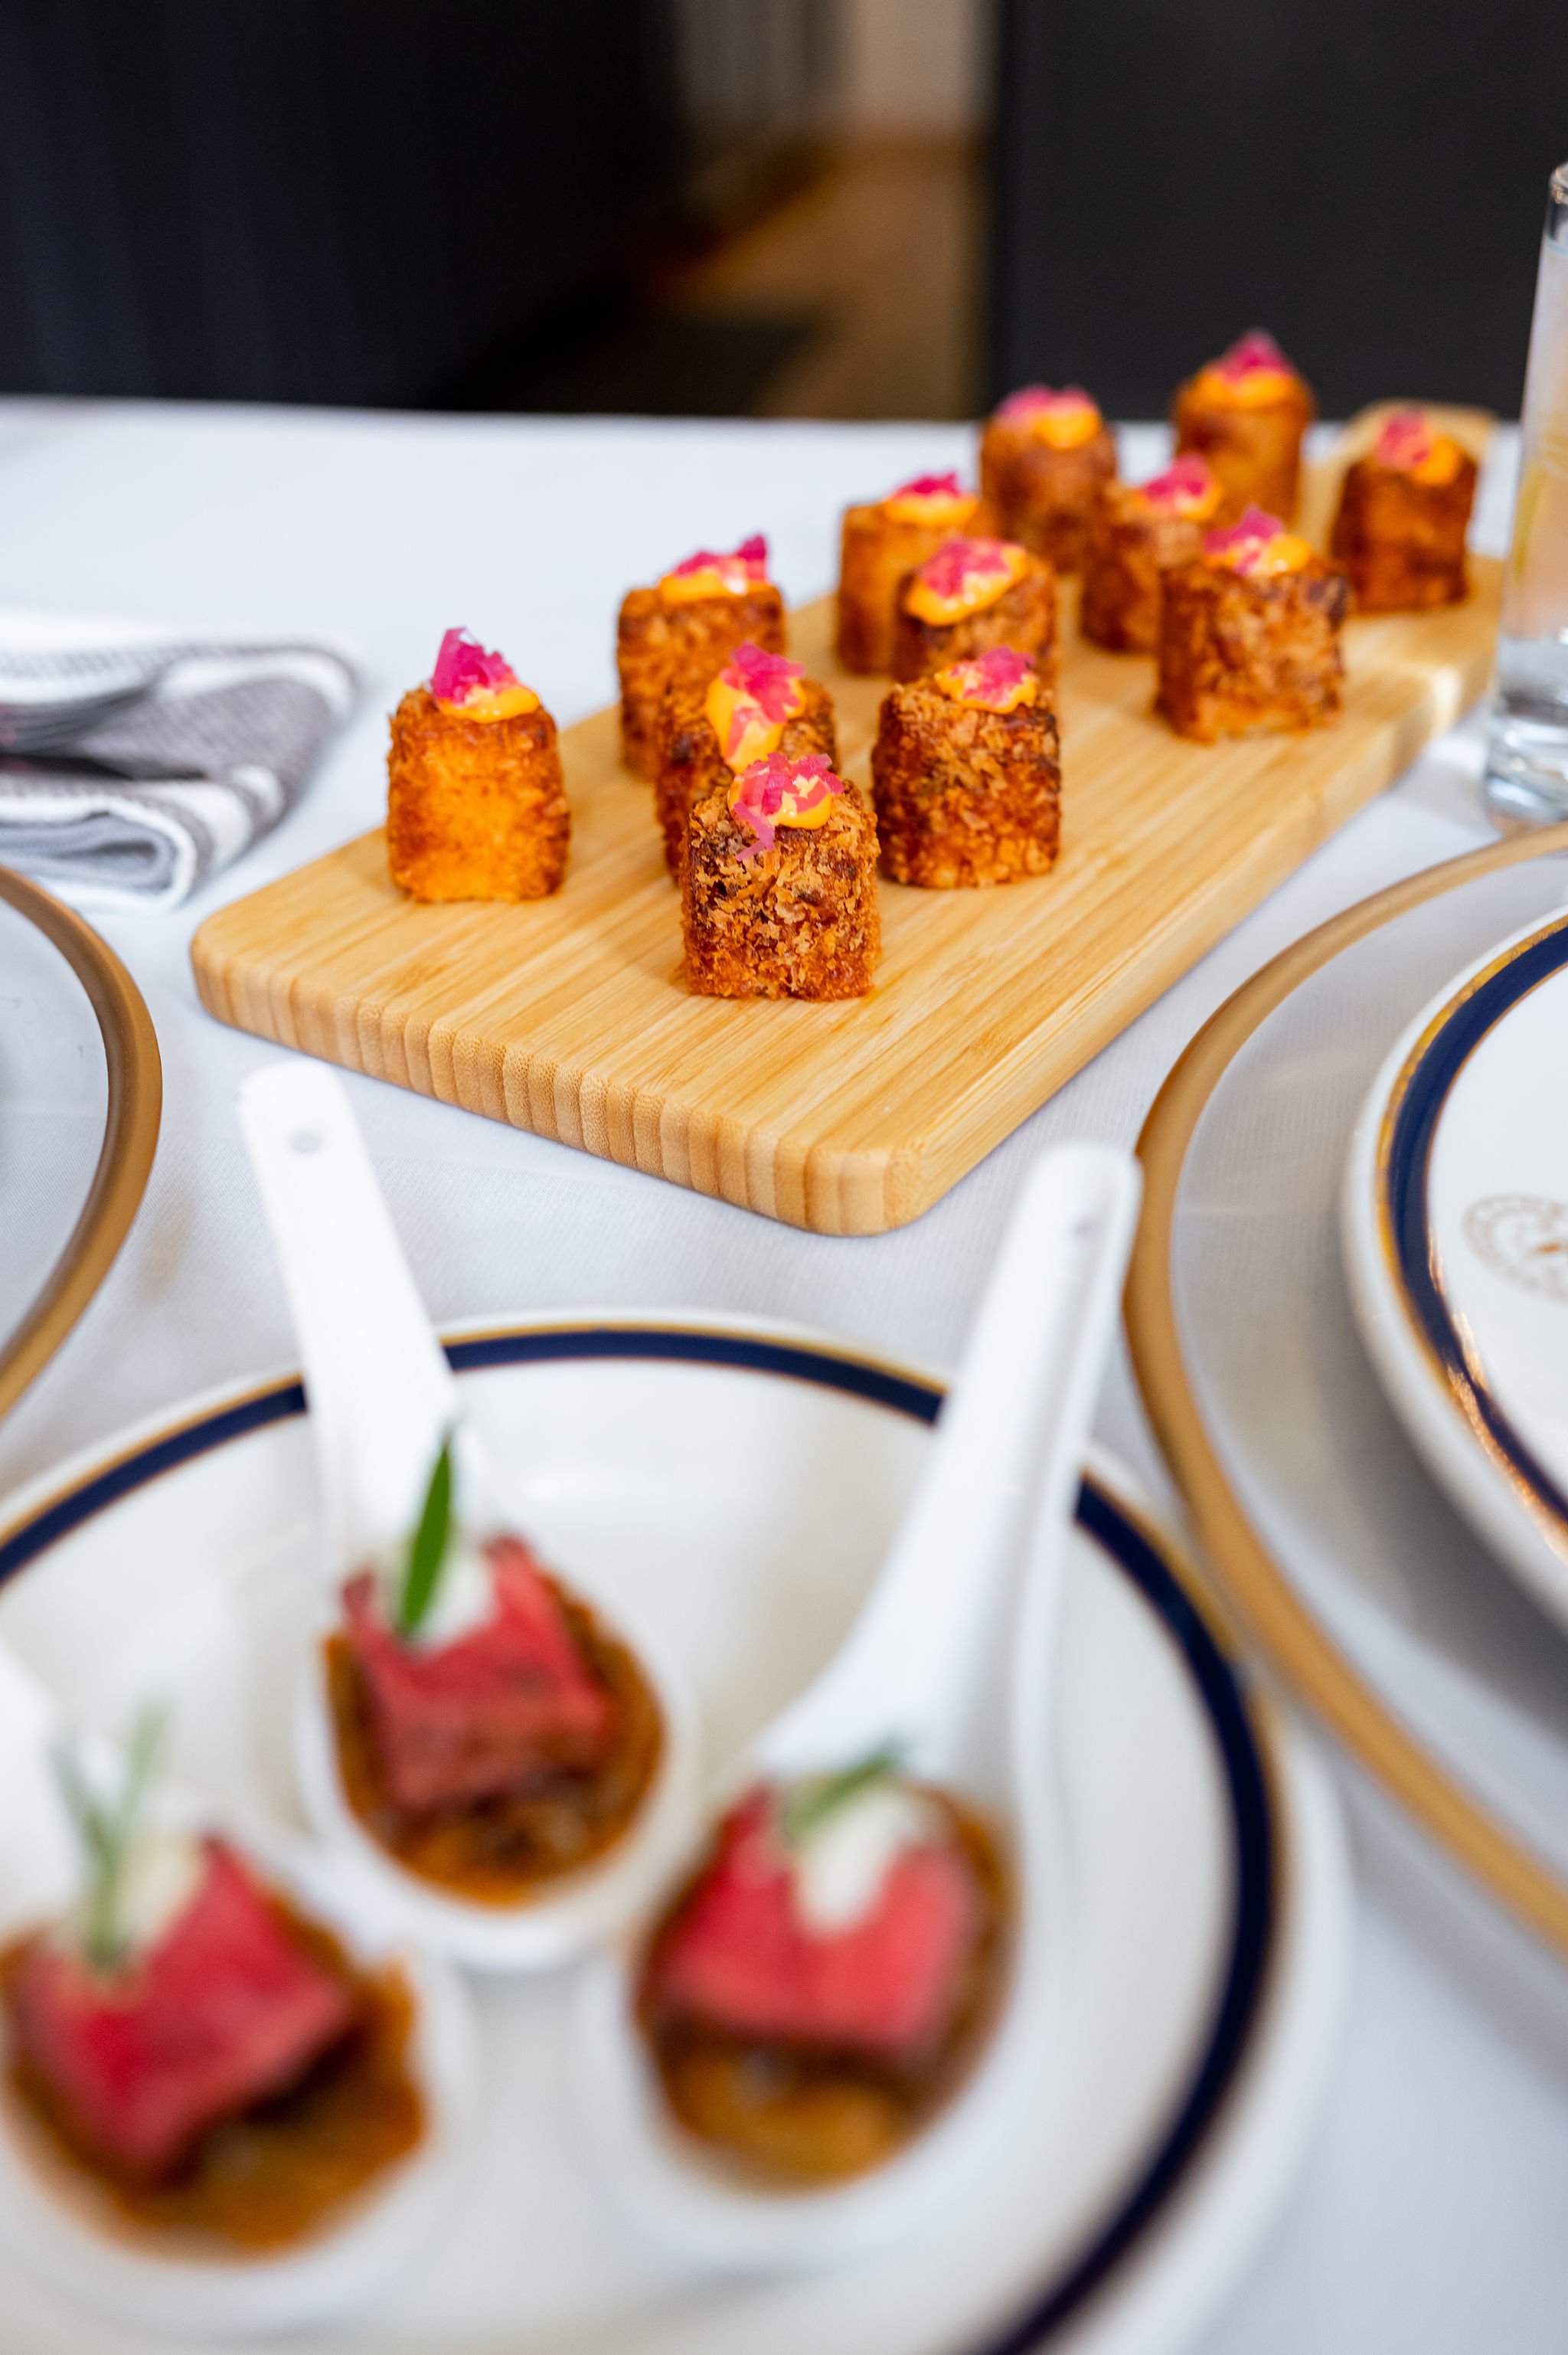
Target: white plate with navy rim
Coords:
[[1454, 1224], [743, 1481]]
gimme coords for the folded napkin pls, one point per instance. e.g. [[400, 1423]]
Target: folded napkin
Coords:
[[134, 808]]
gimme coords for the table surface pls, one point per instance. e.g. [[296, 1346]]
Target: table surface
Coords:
[[1429, 2213]]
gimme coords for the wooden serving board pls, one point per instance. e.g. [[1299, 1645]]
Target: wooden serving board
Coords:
[[569, 1016]]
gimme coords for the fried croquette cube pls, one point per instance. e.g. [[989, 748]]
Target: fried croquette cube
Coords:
[[1242, 651], [784, 910], [684, 628], [1246, 414], [1403, 513], [1023, 614], [1045, 458], [691, 763], [965, 794], [476, 808], [883, 542], [1137, 533]]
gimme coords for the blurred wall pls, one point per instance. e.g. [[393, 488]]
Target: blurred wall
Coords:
[[1365, 177], [915, 68], [328, 200]]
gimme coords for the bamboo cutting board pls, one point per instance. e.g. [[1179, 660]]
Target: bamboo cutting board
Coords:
[[568, 1016]]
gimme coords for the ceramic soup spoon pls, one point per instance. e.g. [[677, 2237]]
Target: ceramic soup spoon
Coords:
[[761, 2040], [157, 1995], [464, 1717]]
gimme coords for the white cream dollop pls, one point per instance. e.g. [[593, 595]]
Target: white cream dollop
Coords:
[[463, 1599], [840, 1866], [161, 1873]]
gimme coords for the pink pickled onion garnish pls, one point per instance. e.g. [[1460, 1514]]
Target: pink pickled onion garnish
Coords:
[[763, 790], [1188, 478], [1251, 353], [993, 674], [768, 679], [1036, 399], [958, 561], [464, 668], [1247, 537], [929, 486], [1405, 441], [751, 556]]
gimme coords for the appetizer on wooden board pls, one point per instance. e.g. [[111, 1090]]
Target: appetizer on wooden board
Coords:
[[1139, 532], [880, 545], [1246, 414], [1404, 513], [973, 594], [758, 704], [1045, 458], [966, 775], [825, 1979], [779, 885], [684, 629], [1249, 633], [475, 805]]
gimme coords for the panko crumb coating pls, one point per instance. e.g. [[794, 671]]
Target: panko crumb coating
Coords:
[[1024, 616], [1401, 529], [476, 808], [691, 765], [1239, 655], [1132, 547], [658, 642], [965, 797], [800, 920]]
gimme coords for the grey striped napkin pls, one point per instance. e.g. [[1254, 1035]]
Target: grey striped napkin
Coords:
[[136, 806]]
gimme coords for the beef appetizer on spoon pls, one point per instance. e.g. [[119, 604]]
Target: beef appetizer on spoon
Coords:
[[219, 2112], [506, 1771], [831, 2016]]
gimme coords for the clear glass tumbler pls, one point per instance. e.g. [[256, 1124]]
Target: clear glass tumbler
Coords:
[[1527, 755]]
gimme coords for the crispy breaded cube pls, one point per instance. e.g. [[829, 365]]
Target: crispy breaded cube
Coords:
[[800, 920], [1254, 451], [658, 641], [475, 807], [1239, 653], [691, 765], [1045, 497], [1024, 616], [1131, 545], [964, 795], [1402, 540], [876, 553]]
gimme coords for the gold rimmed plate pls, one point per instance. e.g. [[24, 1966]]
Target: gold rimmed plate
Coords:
[[1329, 1539], [81, 1099]]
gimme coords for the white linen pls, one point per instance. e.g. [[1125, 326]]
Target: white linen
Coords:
[[1430, 2215]]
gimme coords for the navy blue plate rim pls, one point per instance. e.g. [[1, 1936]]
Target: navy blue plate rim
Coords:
[[1118, 1533], [1404, 1159]]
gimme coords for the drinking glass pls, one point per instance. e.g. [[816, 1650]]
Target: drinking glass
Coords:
[[1527, 754]]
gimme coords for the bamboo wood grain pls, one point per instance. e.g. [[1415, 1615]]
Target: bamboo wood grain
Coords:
[[568, 1016]]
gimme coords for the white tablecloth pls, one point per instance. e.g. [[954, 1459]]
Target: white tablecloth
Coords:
[[1430, 2214]]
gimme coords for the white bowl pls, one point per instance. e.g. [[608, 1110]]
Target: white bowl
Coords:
[[736, 1487]]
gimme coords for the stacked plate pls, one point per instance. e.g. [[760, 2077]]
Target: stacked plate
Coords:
[[1351, 1323]]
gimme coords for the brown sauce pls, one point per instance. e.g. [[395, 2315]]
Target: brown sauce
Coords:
[[802, 2114], [280, 2172], [494, 1851]]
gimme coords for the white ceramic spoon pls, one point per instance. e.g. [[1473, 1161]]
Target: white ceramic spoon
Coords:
[[381, 1398], [950, 1657], [56, 2228]]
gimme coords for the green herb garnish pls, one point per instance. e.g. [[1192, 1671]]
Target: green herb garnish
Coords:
[[810, 1805], [106, 1829], [428, 1552]]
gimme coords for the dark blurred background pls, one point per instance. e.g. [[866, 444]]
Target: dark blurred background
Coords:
[[803, 207]]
